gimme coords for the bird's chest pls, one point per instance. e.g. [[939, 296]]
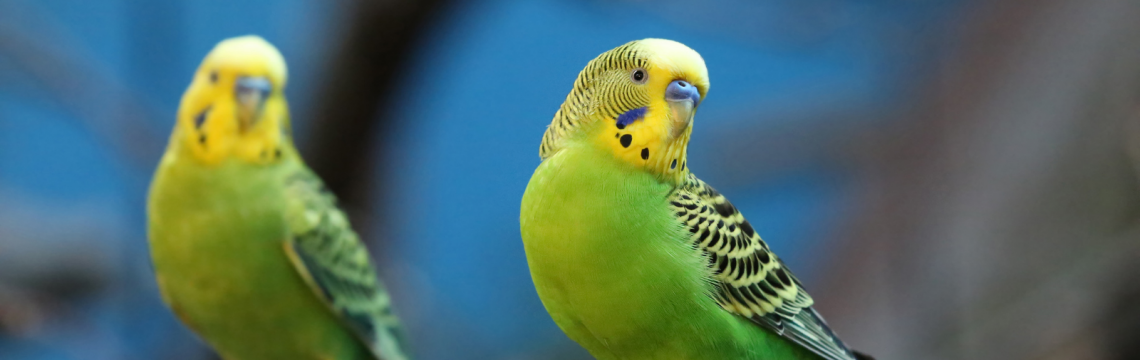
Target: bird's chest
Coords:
[[222, 257], [223, 270], [649, 301], [611, 264], [216, 236], [232, 283], [217, 240], [224, 264]]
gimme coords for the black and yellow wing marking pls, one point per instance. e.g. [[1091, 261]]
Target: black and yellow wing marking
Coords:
[[750, 280], [335, 263]]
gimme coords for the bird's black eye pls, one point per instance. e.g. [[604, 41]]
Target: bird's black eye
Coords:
[[213, 77], [639, 76]]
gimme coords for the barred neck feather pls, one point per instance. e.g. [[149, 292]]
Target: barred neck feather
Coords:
[[584, 105]]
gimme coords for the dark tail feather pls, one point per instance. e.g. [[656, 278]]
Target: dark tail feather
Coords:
[[861, 356]]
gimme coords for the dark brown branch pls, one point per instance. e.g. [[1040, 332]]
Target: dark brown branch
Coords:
[[377, 46]]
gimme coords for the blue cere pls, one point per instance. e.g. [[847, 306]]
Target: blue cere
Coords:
[[250, 85], [681, 90], [630, 117]]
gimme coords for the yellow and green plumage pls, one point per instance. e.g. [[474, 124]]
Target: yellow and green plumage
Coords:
[[249, 248], [633, 256]]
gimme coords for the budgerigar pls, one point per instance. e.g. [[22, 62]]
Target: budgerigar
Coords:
[[249, 248], [633, 256]]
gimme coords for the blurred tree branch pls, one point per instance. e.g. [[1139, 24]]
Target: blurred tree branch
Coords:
[[351, 108]]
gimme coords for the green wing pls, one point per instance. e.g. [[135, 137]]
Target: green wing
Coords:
[[335, 263], [750, 280]]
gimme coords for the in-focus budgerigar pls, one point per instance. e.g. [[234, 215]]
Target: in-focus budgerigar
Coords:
[[633, 256], [249, 248]]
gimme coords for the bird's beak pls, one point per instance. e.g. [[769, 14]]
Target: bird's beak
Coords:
[[683, 99], [251, 93]]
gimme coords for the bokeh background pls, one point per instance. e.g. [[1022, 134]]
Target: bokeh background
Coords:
[[951, 179]]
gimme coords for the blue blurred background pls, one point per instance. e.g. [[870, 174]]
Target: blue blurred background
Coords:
[[910, 160]]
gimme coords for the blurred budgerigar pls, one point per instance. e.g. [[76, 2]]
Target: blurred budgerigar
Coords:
[[249, 248], [633, 256]]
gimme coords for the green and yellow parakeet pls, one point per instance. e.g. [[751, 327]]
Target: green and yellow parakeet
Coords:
[[250, 250], [633, 256]]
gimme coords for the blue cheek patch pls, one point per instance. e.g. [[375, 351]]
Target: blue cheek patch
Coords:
[[201, 118], [630, 117]]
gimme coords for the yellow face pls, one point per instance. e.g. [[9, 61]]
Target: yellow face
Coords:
[[637, 101], [235, 106]]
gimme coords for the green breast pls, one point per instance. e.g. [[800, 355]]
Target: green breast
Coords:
[[613, 267], [216, 238]]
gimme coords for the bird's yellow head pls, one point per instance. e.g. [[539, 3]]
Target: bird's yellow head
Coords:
[[638, 101], [235, 106]]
